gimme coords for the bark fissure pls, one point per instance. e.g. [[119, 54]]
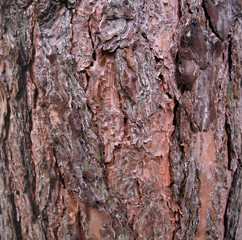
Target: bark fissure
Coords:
[[230, 53], [229, 147], [6, 125], [231, 221], [17, 223], [62, 179]]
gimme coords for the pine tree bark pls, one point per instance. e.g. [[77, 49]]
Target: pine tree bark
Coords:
[[120, 119]]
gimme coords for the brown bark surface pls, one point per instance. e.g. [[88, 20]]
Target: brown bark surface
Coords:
[[120, 119]]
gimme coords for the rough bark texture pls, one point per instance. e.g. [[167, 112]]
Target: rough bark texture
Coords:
[[120, 119]]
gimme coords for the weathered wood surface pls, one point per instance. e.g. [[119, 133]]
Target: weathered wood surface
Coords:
[[120, 119]]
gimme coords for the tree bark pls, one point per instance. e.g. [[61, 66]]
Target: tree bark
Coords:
[[120, 119]]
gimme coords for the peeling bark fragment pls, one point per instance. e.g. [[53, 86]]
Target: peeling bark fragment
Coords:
[[109, 28], [71, 4], [120, 9], [194, 42], [82, 40], [201, 108], [188, 68], [4, 112], [24, 3], [218, 15], [118, 24], [114, 33], [45, 10]]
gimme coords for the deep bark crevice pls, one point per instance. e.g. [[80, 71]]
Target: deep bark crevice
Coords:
[[4, 144], [36, 93], [229, 143], [80, 231], [230, 61], [175, 112], [232, 213], [16, 223], [62, 179]]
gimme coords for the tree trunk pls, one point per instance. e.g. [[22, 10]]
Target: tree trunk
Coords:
[[120, 119]]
